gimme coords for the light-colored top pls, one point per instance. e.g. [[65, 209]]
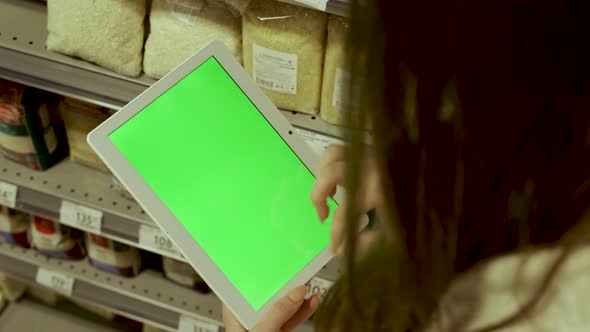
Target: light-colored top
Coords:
[[499, 288]]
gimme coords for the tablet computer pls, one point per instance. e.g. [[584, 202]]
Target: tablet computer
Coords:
[[218, 167]]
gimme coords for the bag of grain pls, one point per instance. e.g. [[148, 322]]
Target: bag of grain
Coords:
[[32, 132], [11, 288], [109, 33], [336, 79], [80, 118], [180, 28], [56, 240], [183, 274], [14, 226], [111, 256], [284, 52]]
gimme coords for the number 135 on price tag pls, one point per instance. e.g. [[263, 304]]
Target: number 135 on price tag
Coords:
[[80, 217]]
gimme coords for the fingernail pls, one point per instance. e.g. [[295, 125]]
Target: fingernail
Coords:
[[298, 294]]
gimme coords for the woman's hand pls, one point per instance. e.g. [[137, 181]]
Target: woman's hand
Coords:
[[330, 174], [286, 314]]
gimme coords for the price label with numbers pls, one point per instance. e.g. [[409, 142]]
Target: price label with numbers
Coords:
[[153, 239], [59, 282], [8, 194], [318, 142], [80, 217], [187, 324], [318, 284]]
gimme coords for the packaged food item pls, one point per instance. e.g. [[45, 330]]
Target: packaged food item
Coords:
[[336, 79], [109, 33], [80, 118], [43, 294], [11, 288], [180, 28], [112, 256], [56, 240], [183, 274], [32, 132], [14, 226], [238, 6], [149, 328], [284, 52]]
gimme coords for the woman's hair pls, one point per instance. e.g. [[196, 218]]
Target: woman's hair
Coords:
[[481, 123]]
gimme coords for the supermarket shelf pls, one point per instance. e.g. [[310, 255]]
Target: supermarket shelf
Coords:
[[62, 317], [148, 296], [42, 193], [23, 32]]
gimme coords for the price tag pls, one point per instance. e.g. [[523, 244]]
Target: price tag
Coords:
[[153, 239], [318, 142], [59, 282], [80, 217], [186, 324], [8, 194], [318, 284]]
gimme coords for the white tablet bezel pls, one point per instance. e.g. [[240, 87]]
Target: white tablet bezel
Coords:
[[163, 217]]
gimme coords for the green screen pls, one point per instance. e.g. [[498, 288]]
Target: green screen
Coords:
[[229, 178]]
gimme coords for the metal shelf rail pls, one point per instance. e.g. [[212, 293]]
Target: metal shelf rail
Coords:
[[148, 297]]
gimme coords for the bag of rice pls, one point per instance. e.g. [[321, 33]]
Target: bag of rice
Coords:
[[14, 226], [284, 52], [111, 256], [80, 118], [180, 28], [56, 240], [183, 274], [32, 132], [336, 79], [11, 288], [109, 33]]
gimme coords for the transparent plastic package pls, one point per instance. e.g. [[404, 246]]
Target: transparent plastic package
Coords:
[[284, 53], [180, 28]]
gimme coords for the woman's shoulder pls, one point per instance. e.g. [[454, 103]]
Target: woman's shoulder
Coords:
[[497, 289]]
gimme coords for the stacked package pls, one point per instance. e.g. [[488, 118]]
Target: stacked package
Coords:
[[284, 52], [80, 118], [32, 132], [109, 33], [180, 28], [14, 226], [56, 240], [183, 274], [111, 256], [336, 79]]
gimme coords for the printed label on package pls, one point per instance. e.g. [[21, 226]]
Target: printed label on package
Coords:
[[341, 95], [275, 70]]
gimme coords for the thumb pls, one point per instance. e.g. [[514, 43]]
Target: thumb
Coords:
[[282, 310]]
